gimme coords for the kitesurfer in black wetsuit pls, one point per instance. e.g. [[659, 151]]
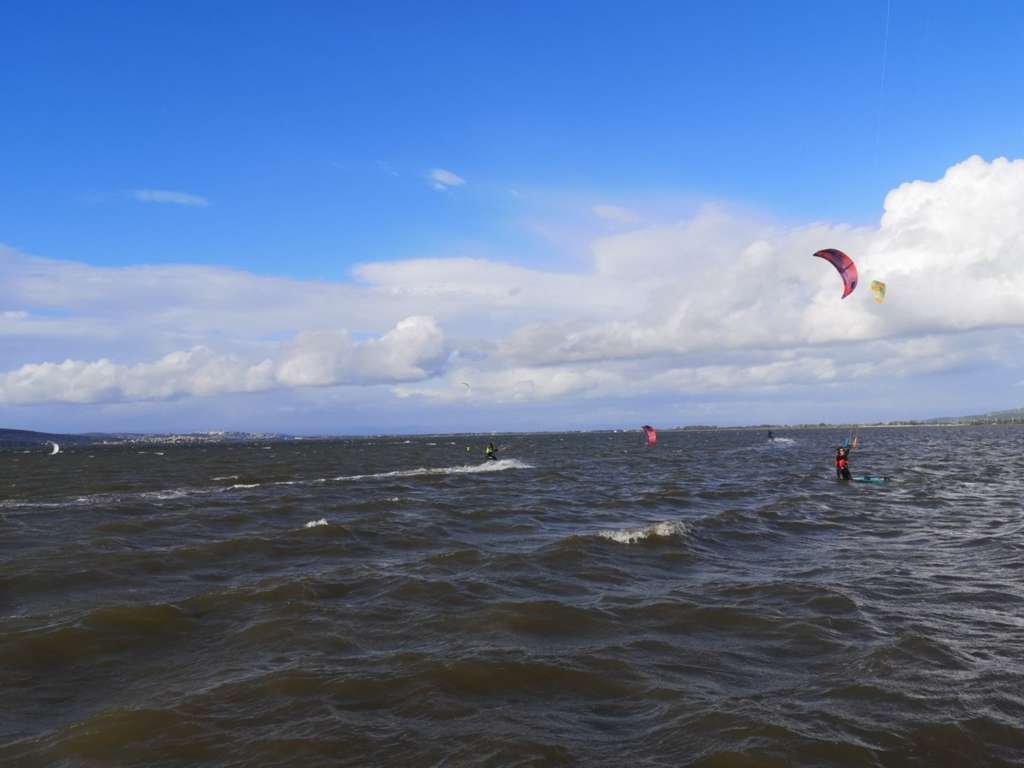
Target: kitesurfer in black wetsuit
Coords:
[[771, 437], [491, 452], [842, 463]]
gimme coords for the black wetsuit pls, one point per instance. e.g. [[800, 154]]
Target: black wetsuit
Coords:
[[491, 453]]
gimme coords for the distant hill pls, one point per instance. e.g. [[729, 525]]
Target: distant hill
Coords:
[[1011, 416], [1016, 414], [24, 438]]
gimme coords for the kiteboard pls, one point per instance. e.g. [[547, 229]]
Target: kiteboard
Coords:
[[878, 479]]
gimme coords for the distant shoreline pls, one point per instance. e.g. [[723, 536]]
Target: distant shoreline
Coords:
[[27, 439]]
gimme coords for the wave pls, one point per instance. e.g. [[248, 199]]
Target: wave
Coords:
[[664, 529], [316, 523], [465, 469], [170, 494], [102, 630]]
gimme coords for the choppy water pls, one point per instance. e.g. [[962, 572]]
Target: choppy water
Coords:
[[716, 601]]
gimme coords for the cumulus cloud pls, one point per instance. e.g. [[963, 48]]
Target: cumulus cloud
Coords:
[[169, 196], [442, 179], [719, 302], [412, 350]]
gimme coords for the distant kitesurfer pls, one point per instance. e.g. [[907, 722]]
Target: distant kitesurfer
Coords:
[[842, 463], [491, 452], [771, 437]]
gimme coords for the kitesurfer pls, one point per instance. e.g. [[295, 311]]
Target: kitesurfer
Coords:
[[771, 437], [491, 452], [842, 463]]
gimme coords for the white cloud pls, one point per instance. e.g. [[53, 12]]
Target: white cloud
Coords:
[[719, 302], [169, 196], [443, 179], [414, 349], [793, 371], [615, 213]]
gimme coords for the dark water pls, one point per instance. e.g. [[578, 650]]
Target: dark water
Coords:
[[717, 601]]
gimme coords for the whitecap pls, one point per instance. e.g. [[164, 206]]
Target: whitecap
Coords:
[[171, 493], [634, 535], [317, 523], [465, 469]]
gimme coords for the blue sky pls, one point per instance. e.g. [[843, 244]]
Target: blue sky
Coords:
[[297, 143]]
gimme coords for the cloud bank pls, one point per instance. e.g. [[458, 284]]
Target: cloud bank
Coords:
[[412, 350], [718, 303]]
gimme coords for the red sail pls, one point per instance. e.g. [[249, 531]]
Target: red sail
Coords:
[[844, 265]]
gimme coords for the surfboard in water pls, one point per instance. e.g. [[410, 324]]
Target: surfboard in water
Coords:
[[869, 479]]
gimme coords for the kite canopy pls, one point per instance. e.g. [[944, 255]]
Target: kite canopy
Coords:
[[650, 434], [844, 265], [878, 289]]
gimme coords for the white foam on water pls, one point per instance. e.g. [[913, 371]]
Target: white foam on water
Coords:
[[16, 504], [784, 440], [465, 469], [178, 493], [634, 535], [317, 523], [171, 493]]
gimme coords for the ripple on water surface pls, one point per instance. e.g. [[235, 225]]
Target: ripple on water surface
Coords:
[[716, 601]]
